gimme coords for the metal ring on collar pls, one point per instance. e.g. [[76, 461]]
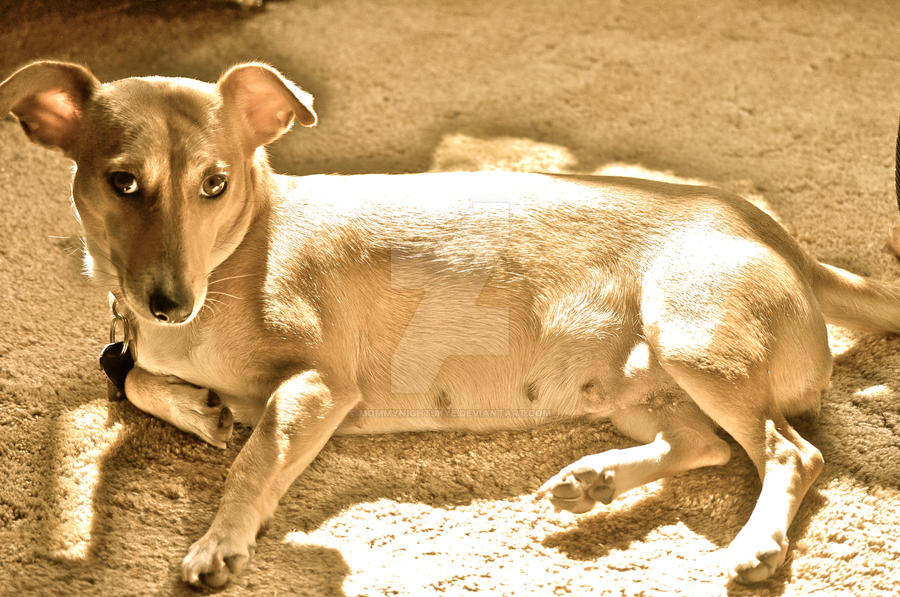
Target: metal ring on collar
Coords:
[[115, 324]]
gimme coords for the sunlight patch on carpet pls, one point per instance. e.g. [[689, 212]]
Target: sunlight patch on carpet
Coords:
[[496, 546], [459, 152], [840, 339], [637, 171], [876, 391], [83, 437]]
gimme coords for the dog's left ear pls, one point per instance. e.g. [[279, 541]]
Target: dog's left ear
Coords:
[[267, 102]]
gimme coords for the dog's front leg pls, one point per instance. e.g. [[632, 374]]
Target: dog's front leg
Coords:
[[298, 419], [190, 408]]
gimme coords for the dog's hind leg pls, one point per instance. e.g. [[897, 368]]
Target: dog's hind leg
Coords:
[[679, 438], [787, 465], [747, 347]]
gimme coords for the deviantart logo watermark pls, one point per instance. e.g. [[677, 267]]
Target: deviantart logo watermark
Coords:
[[449, 321]]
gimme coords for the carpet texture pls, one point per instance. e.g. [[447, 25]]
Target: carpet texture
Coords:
[[793, 105]]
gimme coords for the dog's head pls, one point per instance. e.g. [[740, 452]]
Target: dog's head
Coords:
[[167, 179]]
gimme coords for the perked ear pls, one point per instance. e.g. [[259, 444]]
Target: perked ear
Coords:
[[49, 98], [267, 102]]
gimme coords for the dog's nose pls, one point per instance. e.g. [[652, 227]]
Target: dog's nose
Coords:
[[170, 309]]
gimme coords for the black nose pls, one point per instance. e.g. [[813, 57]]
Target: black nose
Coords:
[[170, 309]]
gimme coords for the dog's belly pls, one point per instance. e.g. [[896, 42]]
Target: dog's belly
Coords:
[[486, 393], [473, 355]]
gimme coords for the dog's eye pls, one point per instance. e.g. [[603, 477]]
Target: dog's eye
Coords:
[[123, 183], [213, 186]]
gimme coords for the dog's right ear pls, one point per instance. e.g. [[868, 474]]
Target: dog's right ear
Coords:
[[49, 98]]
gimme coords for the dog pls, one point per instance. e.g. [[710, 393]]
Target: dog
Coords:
[[300, 305]]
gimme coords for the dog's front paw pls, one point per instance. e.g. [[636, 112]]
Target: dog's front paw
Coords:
[[215, 559], [200, 411], [754, 557], [191, 408], [212, 422], [579, 486]]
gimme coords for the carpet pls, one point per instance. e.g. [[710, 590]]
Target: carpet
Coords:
[[793, 105]]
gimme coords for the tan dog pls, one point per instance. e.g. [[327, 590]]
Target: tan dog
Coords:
[[366, 304]]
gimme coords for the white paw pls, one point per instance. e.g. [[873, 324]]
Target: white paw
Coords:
[[579, 486], [754, 557], [215, 559]]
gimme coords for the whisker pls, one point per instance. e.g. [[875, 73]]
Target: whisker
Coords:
[[211, 282], [220, 293], [209, 304]]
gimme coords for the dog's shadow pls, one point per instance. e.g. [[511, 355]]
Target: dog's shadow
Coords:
[[857, 430], [441, 470], [448, 471], [712, 503]]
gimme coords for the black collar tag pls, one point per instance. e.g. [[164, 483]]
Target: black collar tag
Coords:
[[116, 361], [116, 358]]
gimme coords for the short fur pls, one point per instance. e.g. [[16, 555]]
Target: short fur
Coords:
[[476, 301]]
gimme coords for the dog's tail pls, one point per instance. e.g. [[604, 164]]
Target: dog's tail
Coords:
[[857, 302], [897, 168], [894, 234]]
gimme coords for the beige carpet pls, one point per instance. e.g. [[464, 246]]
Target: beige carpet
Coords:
[[792, 104]]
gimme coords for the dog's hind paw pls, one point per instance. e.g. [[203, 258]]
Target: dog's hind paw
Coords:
[[215, 559], [579, 486]]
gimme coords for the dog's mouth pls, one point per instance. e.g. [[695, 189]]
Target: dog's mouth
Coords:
[[158, 294]]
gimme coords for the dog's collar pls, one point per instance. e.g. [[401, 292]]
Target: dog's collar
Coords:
[[114, 325], [117, 358]]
